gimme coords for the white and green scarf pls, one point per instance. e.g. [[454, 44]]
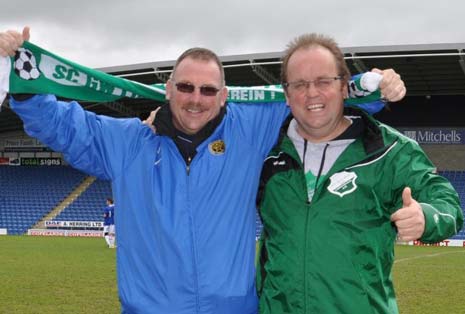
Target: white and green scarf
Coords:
[[34, 70]]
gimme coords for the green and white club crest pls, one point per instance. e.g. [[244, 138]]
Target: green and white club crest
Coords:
[[342, 183]]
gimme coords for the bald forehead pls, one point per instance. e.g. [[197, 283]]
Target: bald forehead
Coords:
[[315, 51], [310, 57]]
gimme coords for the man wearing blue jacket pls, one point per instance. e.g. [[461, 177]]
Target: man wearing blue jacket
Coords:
[[186, 231]]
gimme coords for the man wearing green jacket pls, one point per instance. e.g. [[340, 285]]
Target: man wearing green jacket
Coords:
[[336, 191]]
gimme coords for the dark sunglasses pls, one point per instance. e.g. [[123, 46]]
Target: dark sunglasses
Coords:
[[205, 90]]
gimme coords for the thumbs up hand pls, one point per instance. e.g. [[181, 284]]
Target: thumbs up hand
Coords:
[[409, 220]]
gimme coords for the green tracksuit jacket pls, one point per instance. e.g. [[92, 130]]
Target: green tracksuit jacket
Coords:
[[335, 254]]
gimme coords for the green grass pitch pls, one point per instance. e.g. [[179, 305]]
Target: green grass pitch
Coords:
[[78, 275], [57, 275]]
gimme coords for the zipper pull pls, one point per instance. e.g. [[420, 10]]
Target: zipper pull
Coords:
[[188, 165]]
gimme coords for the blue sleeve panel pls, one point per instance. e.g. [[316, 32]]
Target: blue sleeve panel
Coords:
[[91, 143]]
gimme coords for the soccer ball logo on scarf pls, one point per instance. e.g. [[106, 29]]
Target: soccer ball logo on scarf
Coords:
[[26, 65]]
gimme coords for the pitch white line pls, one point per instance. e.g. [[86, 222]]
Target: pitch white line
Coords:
[[423, 256]]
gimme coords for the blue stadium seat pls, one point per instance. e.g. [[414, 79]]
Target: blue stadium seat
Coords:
[[457, 178], [89, 205], [28, 193]]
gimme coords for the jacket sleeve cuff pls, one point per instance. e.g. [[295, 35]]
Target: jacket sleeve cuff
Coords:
[[438, 225]]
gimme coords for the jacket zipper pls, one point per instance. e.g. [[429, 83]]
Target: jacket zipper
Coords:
[[306, 228], [192, 237], [188, 165], [320, 170]]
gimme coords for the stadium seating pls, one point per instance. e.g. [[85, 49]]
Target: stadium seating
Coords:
[[28, 193], [457, 178], [89, 205]]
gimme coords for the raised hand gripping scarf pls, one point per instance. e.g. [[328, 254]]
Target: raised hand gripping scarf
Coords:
[[34, 70]]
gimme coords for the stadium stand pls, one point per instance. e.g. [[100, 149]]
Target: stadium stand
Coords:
[[28, 193], [457, 178], [89, 205]]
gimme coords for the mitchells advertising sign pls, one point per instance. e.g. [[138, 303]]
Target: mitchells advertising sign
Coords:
[[436, 136]]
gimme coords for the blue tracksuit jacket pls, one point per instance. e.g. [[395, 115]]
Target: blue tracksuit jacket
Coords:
[[186, 239]]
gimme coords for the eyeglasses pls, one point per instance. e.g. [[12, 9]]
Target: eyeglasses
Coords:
[[321, 84], [205, 90]]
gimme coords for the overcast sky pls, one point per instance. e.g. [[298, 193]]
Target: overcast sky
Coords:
[[100, 33]]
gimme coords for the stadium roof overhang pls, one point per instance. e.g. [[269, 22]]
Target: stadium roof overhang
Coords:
[[427, 70]]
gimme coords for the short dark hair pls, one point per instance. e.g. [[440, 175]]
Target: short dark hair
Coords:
[[198, 53], [110, 200], [315, 40]]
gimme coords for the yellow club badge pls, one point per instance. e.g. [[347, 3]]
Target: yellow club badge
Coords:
[[217, 147]]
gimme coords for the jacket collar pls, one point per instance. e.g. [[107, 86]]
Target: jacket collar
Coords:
[[186, 143], [368, 130], [164, 125]]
